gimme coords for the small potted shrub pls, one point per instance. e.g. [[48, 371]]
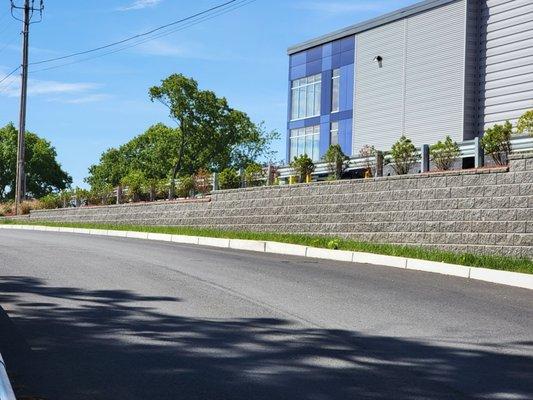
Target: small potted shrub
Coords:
[[304, 167], [404, 155], [443, 154], [497, 142]]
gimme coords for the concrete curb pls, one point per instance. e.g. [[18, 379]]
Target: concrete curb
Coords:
[[6, 391], [483, 274]]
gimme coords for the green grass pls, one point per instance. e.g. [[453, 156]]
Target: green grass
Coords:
[[523, 265]]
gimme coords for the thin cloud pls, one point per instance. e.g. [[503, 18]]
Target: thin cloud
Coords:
[[338, 7], [140, 4], [42, 87]]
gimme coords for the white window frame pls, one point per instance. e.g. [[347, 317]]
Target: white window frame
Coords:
[[308, 85]]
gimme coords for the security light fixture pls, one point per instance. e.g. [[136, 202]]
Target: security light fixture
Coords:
[[379, 60]]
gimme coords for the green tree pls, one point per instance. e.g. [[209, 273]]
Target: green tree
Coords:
[[229, 179], [404, 155], [44, 174], [212, 135], [443, 154], [497, 142], [110, 171], [135, 182], [303, 166], [337, 160]]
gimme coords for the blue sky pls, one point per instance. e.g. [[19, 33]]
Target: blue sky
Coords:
[[87, 107]]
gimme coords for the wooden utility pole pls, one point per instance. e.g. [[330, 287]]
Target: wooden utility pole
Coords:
[[20, 178]]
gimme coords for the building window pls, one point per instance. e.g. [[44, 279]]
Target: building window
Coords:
[[335, 92], [305, 95], [305, 141], [334, 133]]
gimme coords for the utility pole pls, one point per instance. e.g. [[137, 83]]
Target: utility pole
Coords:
[[20, 178]]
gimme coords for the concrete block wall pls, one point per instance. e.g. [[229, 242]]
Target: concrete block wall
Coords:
[[477, 211]]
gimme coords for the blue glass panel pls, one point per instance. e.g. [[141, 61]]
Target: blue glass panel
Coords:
[[324, 118], [348, 43], [314, 54], [327, 49], [314, 67], [311, 121], [297, 124], [324, 139], [336, 47], [336, 61], [298, 72], [326, 63], [326, 93], [298, 59], [347, 57]]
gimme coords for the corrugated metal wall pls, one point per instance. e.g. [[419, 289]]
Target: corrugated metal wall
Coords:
[[506, 60], [419, 90]]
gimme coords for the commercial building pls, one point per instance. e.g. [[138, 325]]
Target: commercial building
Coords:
[[436, 68]]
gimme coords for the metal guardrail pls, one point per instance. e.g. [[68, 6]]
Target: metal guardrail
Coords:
[[6, 391], [468, 148]]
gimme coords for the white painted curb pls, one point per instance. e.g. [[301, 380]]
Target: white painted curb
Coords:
[[483, 274]]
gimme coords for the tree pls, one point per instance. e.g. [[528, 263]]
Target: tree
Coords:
[[337, 160], [229, 179], [443, 154], [44, 174], [525, 123], [212, 135], [497, 142], [404, 155], [135, 182], [303, 166]]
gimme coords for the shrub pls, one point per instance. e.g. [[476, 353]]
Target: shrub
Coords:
[[337, 160], [27, 205], [404, 155], [135, 182], [185, 186], [525, 123], [229, 179], [368, 152], [497, 142], [202, 181], [443, 154], [303, 166], [6, 208], [254, 175], [50, 201]]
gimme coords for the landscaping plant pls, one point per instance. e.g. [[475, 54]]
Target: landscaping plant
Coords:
[[404, 155], [186, 185], [303, 166], [443, 154], [497, 142], [229, 179], [368, 152], [337, 160], [253, 175], [525, 123], [202, 181]]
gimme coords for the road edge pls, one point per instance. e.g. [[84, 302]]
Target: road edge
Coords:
[[507, 278]]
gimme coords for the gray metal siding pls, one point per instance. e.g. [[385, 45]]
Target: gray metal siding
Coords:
[[419, 91], [378, 99], [506, 60]]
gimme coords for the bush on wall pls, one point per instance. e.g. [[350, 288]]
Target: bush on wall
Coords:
[[497, 142], [444, 153], [404, 155], [303, 166], [368, 152], [525, 123], [229, 179], [337, 160], [186, 186], [253, 175]]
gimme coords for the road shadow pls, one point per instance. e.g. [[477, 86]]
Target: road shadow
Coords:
[[114, 344]]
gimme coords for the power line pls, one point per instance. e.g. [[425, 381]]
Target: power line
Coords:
[[136, 36], [239, 4], [9, 74]]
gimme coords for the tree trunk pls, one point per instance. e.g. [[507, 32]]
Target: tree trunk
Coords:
[[152, 192], [119, 194]]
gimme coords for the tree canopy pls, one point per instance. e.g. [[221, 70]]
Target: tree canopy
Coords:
[[209, 135], [44, 174]]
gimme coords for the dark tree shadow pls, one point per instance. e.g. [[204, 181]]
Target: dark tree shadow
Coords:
[[109, 345]]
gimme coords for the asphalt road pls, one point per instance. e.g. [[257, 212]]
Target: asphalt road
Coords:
[[86, 317]]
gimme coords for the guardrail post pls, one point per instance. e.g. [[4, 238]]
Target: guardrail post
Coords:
[[424, 153], [215, 181], [379, 163], [479, 154]]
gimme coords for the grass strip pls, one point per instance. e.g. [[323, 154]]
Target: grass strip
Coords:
[[513, 264]]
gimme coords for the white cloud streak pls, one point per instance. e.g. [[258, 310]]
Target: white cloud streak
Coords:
[[339, 7], [140, 4]]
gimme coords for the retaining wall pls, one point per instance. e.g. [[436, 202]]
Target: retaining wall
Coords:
[[477, 211]]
